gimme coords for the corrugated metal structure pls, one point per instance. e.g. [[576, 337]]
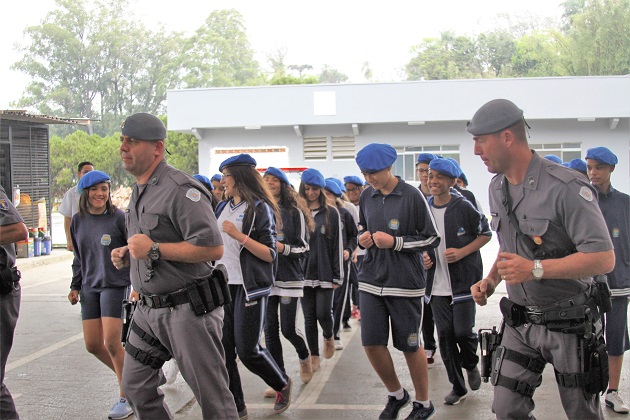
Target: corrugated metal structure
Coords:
[[25, 160]]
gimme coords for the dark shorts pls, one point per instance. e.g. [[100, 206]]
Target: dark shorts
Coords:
[[617, 327], [403, 314], [99, 303]]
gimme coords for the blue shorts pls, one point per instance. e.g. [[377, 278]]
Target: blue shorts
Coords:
[[617, 327], [404, 315], [106, 302]]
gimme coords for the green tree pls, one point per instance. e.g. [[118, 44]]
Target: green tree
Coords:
[[276, 61], [448, 57], [331, 75], [539, 55], [292, 80], [219, 53], [300, 68], [496, 49], [366, 69]]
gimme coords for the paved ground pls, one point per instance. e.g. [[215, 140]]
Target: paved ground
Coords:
[[53, 377]]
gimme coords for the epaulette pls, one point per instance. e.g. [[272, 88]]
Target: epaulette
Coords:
[[180, 178], [563, 174]]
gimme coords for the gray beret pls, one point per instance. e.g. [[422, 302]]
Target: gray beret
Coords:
[[494, 116], [143, 126]]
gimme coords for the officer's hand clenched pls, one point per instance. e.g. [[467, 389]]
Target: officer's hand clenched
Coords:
[[482, 290], [365, 240], [514, 269], [120, 257], [139, 246]]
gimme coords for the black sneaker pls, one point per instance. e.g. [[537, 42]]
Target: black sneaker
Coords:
[[346, 326], [393, 406], [474, 378], [283, 399], [421, 412]]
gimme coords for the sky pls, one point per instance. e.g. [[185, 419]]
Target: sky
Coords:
[[343, 34]]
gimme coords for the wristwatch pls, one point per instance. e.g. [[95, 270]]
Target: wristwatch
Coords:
[[154, 252], [538, 271]]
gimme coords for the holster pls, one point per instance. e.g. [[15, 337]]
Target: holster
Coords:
[[513, 314], [128, 308], [9, 276]]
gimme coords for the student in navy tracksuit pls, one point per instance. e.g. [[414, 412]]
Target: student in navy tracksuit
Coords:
[[457, 267], [248, 223], [97, 229], [349, 235], [324, 266], [396, 228], [288, 286]]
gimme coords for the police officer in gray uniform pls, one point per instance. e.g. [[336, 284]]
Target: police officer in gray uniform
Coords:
[[553, 240], [172, 236], [12, 229]]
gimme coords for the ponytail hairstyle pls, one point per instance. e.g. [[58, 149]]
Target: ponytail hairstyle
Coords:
[[290, 198], [250, 187], [323, 205]]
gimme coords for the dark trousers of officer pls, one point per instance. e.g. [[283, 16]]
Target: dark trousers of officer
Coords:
[[242, 330], [9, 312], [195, 343], [428, 328], [317, 307], [288, 307], [341, 300], [556, 348], [458, 342]]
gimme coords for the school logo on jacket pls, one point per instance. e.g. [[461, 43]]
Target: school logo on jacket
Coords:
[[394, 224], [280, 236], [322, 230], [615, 233], [106, 239], [461, 231], [412, 340]]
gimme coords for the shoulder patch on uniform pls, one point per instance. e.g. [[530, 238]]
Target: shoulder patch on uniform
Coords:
[[586, 193], [565, 175], [4, 204], [193, 194]]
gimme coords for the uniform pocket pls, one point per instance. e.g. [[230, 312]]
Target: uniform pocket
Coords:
[[534, 227], [149, 221]]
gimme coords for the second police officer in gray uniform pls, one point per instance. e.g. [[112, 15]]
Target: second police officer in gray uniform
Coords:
[[173, 235], [553, 240]]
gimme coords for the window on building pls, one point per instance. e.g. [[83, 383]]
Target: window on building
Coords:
[[315, 148], [343, 148], [405, 165], [565, 151]]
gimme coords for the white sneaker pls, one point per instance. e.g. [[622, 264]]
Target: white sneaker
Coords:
[[338, 345], [614, 401], [171, 370], [120, 410]]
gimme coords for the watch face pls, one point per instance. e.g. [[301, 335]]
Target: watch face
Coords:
[[537, 272]]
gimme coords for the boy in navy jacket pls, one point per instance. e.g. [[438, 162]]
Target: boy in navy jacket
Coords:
[[457, 267]]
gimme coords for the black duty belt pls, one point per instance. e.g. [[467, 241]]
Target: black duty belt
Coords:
[[166, 301]]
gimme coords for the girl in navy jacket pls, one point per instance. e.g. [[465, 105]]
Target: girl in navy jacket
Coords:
[[287, 290], [248, 223], [324, 270]]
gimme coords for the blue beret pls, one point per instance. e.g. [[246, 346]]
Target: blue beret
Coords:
[[216, 177], [143, 126], [92, 178], [278, 173], [554, 158], [578, 165], [445, 166], [602, 154], [425, 157], [353, 179], [333, 187], [565, 164], [204, 180], [494, 116], [339, 184], [375, 157], [239, 160], [462, 176], [459, 168], [314, 178]]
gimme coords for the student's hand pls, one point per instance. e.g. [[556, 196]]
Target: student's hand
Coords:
[[230, 228], [69, 247], [365, 240], [134, 296], [383, 240], [120, 257], [482, 290], [139, 246], [280, 247], [73, 297], [346, 255], [453, 255], [427, 260]]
